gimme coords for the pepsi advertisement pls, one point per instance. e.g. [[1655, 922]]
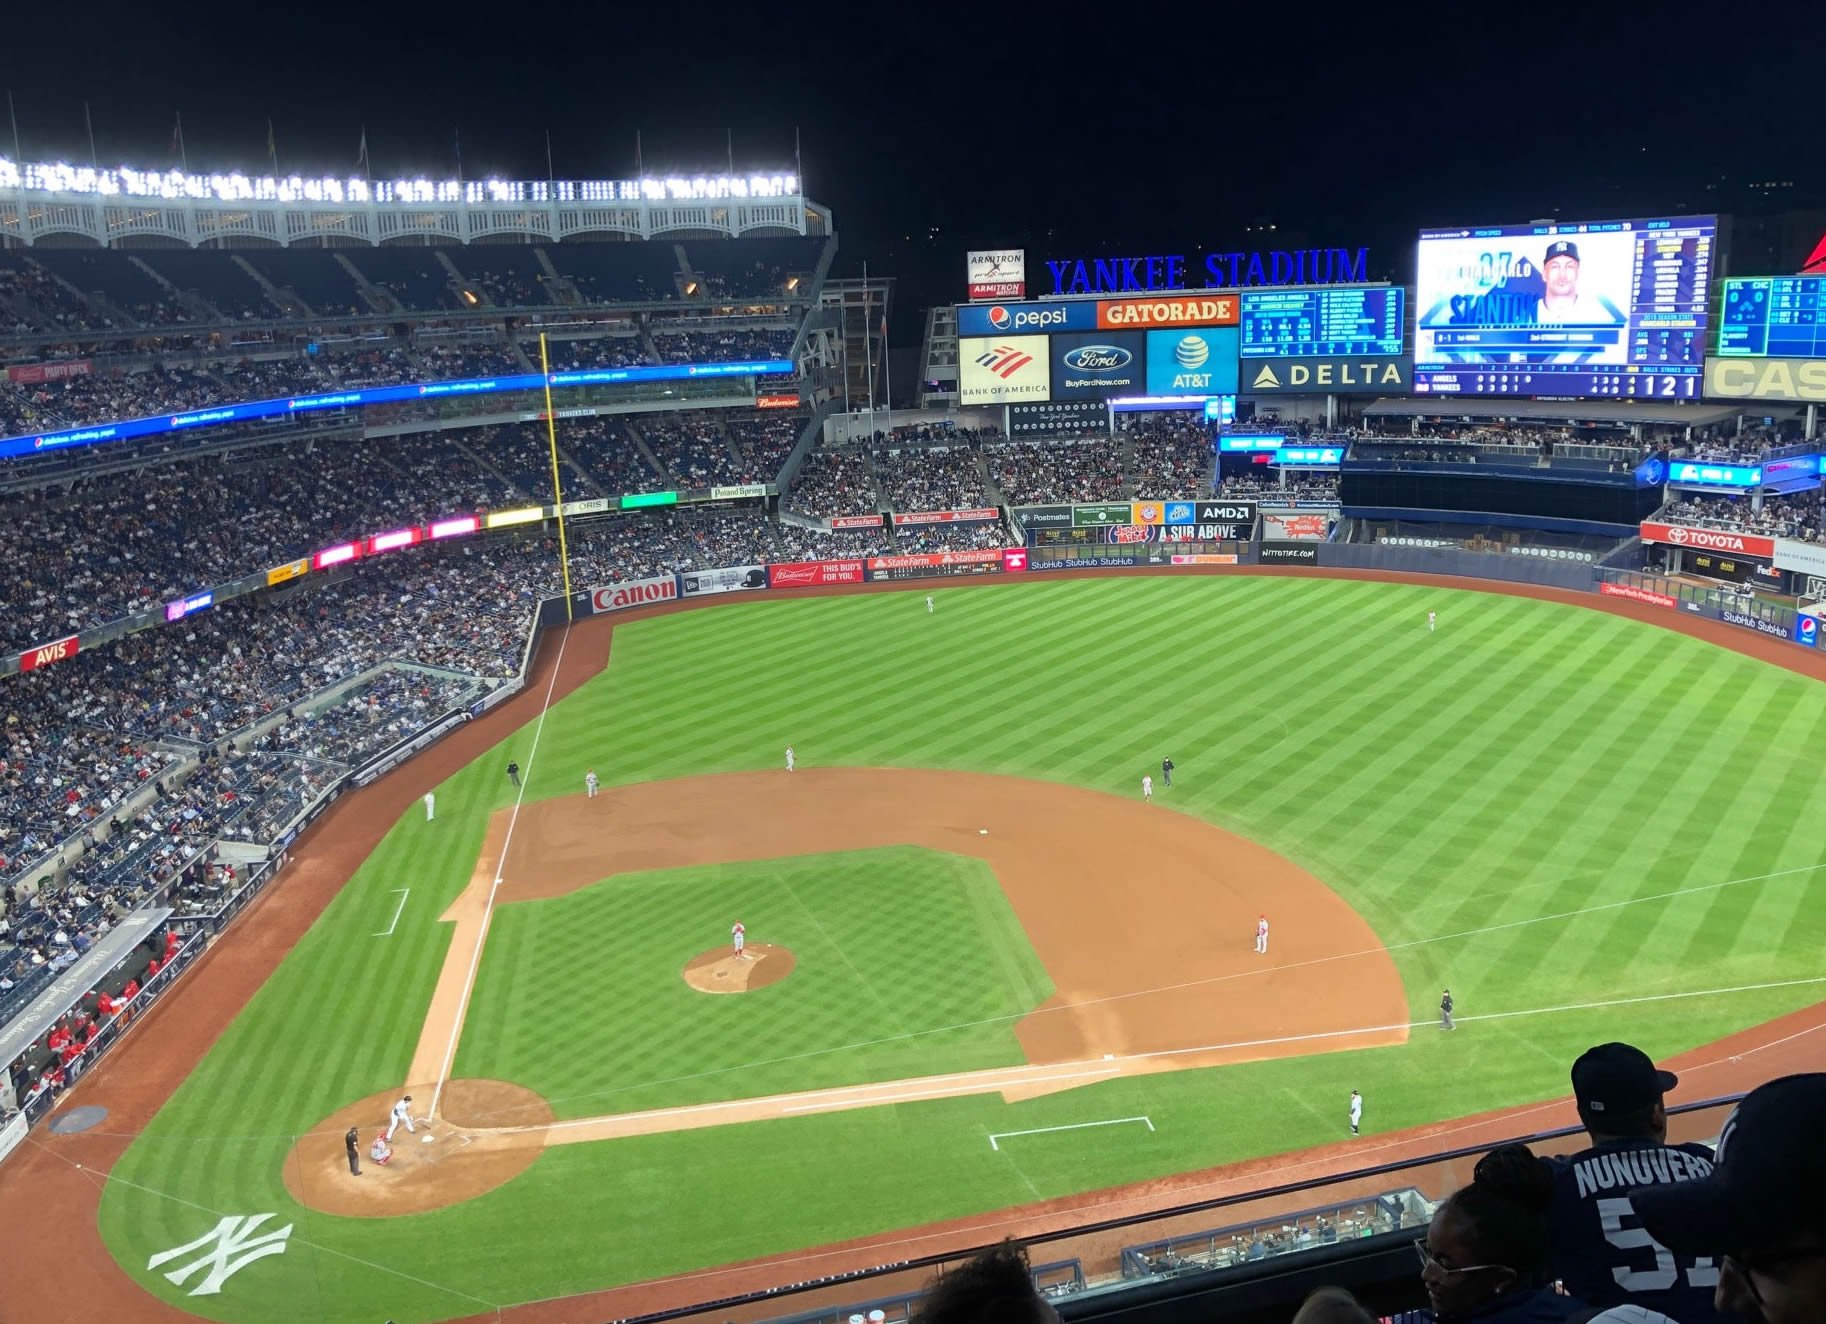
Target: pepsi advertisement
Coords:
[[1201, 362], [1100, 366], [1025, 319], [1603, 309]]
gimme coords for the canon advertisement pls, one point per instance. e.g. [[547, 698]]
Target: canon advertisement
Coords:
[[633, 593]]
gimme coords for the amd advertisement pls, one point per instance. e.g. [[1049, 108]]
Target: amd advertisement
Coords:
[[1603, 309]]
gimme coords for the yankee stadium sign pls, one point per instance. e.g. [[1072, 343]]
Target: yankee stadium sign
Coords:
[[1215, 271]]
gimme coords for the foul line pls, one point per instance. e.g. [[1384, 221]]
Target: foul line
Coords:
[[488, 906], [1075, 1126], [402, 893]]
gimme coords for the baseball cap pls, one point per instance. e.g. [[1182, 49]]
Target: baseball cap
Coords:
[[1562, 248], [1765, 1186], [1613, 1079]]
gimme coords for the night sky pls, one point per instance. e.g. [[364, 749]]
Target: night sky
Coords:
[[928, 129]]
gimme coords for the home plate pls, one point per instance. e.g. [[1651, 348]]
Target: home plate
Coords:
[[982, 832]]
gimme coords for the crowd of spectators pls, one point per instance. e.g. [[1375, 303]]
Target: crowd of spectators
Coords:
[[1173, 458], [832, 483], [1796, 515], [950, 537], [694, 449], [1035, 473], [1299, 486], [701, 346], [765, 440], [932, 478], [815, 545], [605, 351]]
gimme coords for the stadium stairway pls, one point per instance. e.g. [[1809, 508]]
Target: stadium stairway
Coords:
[[291, 303], [640, 442], [378, 299]]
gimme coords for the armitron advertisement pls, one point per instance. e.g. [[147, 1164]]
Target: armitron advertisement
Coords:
[[633, 593], [1001, 370], [999, 273]]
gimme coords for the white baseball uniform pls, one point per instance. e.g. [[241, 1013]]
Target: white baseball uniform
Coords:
[[789, 758], [738, 937], [928, 604], [1430, 622], [1261, 935], [401, 1115], [1356, 1112], [430, 806], [1147, 788], [590, 783]]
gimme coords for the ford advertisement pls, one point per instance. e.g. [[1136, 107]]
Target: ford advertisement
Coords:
[[1100, 366]]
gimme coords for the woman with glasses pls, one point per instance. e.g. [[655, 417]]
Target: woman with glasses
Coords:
[[1484, 1257]]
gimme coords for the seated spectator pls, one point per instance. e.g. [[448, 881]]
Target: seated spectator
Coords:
[[1485, 1255], [1331, 1305], [995, 1287], [1619, 1095], [1760, 1209]]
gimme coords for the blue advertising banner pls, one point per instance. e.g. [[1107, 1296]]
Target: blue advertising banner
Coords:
[[1011, 319], [1100, 366], [1201, 362], [1182, 512], [1689, 474], [1807, 631]]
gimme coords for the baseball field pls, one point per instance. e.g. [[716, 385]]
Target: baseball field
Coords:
[[983, 971]]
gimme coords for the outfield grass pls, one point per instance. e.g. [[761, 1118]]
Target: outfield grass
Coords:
[[1542, 806]]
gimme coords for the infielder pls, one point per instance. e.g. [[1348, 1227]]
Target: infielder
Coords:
[[1147, 788], [738, 938], [1261, 936], [401, 1113], [789, 758], [928, 604], [430, 806], [590, 783], [1432, 620], [1356, 1112]]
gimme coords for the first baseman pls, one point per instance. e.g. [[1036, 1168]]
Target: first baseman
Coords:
[[738, 938], [401, 1113]]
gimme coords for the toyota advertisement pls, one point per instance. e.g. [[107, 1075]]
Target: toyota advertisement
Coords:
[[1002, 370], [1099, 366]]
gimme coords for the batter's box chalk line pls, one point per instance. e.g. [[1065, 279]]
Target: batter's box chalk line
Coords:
[[997, 1136]]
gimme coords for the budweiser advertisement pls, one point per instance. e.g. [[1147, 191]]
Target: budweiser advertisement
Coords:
[[802, 574], [634, 593], [1635, 594], [45, 654], [27, 374], [948, 516], [1709, 540]]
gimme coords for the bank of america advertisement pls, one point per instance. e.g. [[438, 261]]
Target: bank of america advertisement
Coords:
[[999, 370]]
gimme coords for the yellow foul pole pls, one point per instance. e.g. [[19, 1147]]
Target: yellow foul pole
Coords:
[[551, 433]]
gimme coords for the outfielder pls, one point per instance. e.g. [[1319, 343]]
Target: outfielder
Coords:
[[1356, 1112], [1261, 936], [738, 938], [401, 1113], [1445, 1011], [789, 758], [1431, 621], [430, 806], [1147, 788], [590, 783], [928, 604]]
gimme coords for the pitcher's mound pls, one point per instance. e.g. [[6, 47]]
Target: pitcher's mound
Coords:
[[720, 970]]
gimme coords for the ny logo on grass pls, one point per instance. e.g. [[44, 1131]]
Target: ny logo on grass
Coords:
[[235, 1247]]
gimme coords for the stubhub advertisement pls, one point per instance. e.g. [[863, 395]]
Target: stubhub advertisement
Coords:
[[1100, 366], [1200, 362], [1025, 319]]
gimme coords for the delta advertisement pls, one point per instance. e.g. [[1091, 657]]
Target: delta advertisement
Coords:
[[994, 371], [1334, 376], [810, 574], [633, 593], [1099, 367]]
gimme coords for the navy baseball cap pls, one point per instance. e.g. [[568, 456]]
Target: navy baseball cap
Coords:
[[1614, 1079], [1766, 1184], [1561, 248]]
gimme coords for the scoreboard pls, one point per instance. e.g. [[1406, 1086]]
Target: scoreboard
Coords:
[[1774, 317], [1335, 322]]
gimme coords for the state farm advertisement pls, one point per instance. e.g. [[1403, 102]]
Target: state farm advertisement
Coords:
[[1709, 540], [998, 273], [856, 521], [982, 561], [947, 516], [1635, 594], [634, 593], [807, 574]]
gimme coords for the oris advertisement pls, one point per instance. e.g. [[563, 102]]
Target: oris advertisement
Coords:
[[1099, 367]]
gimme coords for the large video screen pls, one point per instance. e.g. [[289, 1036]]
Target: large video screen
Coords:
[[1780, 317], [1342, 322], [1607, 309]]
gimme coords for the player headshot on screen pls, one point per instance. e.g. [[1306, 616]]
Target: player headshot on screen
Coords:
[[1560, 300]]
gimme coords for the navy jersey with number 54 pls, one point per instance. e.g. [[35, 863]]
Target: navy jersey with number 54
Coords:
[[1600, 1250]]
